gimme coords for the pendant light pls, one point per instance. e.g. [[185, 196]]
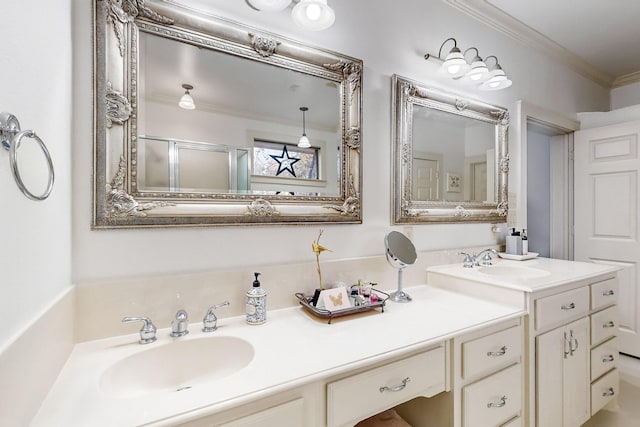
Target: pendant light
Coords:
[[186, 101], [314, 15], [479, 70], [269, 5], [304, 141]]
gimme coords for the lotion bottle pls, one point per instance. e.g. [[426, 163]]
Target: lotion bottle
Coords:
[[514, 243], [256, 303]]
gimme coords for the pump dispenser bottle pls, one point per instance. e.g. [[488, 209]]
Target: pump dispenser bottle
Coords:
[[256, 303], [514, 243]]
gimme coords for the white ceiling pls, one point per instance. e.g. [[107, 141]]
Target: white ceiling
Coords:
[[598, 38]]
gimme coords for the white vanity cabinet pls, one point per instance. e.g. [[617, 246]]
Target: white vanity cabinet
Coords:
[[575, 352], [488, 387]]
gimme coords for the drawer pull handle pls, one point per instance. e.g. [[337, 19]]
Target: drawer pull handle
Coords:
[[608, 358], [569, 306], [608, 293], [503, 401], [396, 388], [609, 324], [609, 392], [502, 352]]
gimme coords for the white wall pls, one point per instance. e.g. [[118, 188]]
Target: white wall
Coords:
[[625, 96], [412, 28], [35, 254]]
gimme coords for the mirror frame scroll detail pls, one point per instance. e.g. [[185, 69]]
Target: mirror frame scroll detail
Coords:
[[405, 94], [117, 201]]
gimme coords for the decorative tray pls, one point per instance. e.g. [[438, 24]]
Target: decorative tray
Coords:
[[305, 301], [530, 255]]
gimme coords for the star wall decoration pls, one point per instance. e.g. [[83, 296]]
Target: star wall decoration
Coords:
[[285, 163]]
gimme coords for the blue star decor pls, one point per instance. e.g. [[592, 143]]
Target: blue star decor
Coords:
[[285, 163]]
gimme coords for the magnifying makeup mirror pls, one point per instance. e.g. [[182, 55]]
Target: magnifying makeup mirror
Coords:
[[400, 253]]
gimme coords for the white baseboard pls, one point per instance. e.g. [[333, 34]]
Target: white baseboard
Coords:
[[629, 368]]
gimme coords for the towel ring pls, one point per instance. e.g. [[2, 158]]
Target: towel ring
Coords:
[[12, 137]]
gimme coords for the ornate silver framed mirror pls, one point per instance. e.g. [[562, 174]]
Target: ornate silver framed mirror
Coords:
[[231, 153], [450, 159]]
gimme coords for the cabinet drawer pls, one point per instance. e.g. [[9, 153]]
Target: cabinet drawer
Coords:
[[291, 413], [604, 390], [359, 396], [492, 352], [604, 358], [604, 325], [563, 306], [604, 293], [493, 400]]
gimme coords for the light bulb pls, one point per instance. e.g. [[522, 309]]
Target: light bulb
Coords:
[[313, 12], [314, 15]]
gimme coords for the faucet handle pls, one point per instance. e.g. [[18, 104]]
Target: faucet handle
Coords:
[[468, 260], [210, 321], [148, 330]]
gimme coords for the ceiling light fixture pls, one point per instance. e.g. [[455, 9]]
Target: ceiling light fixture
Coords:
[[456, 66], [314, 15], [186, 101], [304, 141], [269, 5]]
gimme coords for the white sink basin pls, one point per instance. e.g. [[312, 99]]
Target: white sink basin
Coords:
[[511, 272], [176, 366]]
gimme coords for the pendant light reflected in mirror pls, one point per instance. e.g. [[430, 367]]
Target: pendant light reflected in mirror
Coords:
[[186, 101], [314, 15], [269, 5], [304, 141]]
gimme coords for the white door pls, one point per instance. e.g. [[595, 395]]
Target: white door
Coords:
[[479, 184], [606, 214], [426, 182]]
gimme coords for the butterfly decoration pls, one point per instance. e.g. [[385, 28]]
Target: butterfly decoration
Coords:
[[336, 299]]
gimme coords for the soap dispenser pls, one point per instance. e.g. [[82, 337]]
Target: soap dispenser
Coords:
[[525, 242], [514, 243], [256, 303]]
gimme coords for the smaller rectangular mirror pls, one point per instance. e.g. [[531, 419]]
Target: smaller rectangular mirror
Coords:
[[450, 157]]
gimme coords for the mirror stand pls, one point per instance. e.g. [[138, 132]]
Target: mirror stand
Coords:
[[400, 253], [399, 295]]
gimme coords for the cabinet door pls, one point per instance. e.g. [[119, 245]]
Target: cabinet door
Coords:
[[562, 375], [576, 375]]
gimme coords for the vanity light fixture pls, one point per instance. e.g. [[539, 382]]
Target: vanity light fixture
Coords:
[[497, 78], [314, 15], [186, 101], [456, 66], [479, 70], [269, 5], [304, 141]]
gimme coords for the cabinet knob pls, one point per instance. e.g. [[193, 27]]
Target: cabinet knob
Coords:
[[503, 401], [502, 352], [609, 392], [396, 388]]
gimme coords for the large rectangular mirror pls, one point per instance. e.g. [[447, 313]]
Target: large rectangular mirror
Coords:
[[231, 154], [450, 160]]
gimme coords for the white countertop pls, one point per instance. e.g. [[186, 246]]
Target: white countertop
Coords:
[[558, 272], [291, 349]]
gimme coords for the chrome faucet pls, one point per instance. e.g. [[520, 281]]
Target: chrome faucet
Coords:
[[180, 325], [471, 261], [148, 330], [210, 321]]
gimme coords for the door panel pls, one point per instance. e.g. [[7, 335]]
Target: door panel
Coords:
[[606, 213]]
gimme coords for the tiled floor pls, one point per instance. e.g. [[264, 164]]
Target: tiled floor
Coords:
[[627, 412]]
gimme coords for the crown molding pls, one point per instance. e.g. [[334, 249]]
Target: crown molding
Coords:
[[495, 18], [627, 79]]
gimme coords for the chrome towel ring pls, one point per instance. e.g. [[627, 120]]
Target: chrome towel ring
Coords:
[[12, 137]]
